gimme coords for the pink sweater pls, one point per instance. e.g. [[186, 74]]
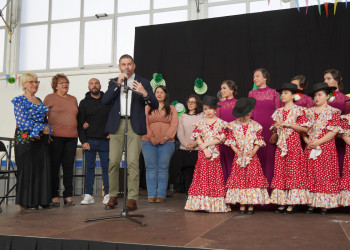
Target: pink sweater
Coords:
[[62, 115], [158, 126]]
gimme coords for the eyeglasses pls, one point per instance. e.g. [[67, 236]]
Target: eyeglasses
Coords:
[[32, 82], [61, 83], [191, 102]]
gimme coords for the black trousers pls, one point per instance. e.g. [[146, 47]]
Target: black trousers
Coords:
[[62, 151]]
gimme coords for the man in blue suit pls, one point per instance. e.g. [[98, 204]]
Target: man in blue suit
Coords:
[[116, 97]]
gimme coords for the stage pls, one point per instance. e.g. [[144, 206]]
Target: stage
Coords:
[[168, 224]]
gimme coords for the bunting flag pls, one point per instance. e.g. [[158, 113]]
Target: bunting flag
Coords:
[[7, 78], [297, 2], [335, 6], [319, 6], [307, 5], [268, 2], [326, 7]]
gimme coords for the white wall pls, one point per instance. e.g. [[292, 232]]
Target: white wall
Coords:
[[78, 87]]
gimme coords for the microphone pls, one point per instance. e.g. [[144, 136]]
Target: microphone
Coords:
[[125, 81]]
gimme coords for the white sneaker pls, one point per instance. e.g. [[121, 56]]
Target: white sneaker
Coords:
[[88, 199], [105, 199]]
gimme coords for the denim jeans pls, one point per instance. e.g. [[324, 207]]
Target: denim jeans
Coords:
[[157, 159], [102, 147]]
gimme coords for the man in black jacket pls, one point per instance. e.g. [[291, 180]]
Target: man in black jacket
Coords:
[[92, 119]]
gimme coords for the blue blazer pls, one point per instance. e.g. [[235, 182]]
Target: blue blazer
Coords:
[[138, 103]]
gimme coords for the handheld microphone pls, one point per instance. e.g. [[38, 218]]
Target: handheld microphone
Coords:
[[125, 81]]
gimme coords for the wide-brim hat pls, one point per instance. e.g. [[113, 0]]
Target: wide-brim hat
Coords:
[[200, 87], [320, 86], [243, 106], [211, 101], [288, 86]]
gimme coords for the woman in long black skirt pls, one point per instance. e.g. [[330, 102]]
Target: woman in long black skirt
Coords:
[[31, 147]]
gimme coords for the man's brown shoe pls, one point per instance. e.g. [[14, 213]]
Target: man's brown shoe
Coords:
[[112, 203], [131, 205], [160, 199]]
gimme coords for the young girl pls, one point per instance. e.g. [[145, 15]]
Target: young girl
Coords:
[[207, 191], [247, 184], [321, 154], [345, 180], [289, 180]]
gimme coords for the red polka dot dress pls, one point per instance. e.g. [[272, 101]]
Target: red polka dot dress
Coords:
[[323, 178], [345, 180], [289, 181], [207, 191], [247, 184]]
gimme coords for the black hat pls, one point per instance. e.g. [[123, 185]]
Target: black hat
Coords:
[[288, 86], [320, 86], [210, 101], [243, 106]]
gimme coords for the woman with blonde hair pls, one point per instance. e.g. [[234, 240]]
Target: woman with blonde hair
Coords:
[[31, 152]]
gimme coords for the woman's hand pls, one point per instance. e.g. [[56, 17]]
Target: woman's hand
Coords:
[[207, 153], [50, 140], [46, 130], [191, 146], [154, 141]]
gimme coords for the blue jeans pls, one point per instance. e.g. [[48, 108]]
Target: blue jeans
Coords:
[[157, 159], [102, 147]]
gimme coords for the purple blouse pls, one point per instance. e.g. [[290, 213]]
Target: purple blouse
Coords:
[[305, 101], [339, 103], [225, 112]]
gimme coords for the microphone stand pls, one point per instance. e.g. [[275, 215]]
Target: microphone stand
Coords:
[[124, 212]]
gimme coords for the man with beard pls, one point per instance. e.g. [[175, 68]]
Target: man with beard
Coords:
[[92, 119]]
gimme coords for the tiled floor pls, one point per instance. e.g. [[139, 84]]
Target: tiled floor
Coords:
[[169, 224]]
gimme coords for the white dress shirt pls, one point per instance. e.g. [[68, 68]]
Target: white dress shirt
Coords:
[[123, 97]]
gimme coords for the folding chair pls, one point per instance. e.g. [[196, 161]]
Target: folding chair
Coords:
[[6, 174]]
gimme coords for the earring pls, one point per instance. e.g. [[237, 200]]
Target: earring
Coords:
[[25, 90]]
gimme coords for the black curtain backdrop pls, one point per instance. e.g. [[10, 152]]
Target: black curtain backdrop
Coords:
[[284, 42]]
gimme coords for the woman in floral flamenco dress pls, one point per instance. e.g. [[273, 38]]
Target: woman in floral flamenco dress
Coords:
[[289, 181], [345, 180], [207, 191], [247, 184], [320, 152]]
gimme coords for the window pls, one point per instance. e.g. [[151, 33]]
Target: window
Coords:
[[170, 16], [33, 48], [34, 11], [64, 46], [98, 42], [60, 10], [126, 32], [93, 7], [263, 5], [227, 10]]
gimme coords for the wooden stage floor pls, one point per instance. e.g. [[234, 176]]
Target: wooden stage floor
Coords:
[[169, 224]]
